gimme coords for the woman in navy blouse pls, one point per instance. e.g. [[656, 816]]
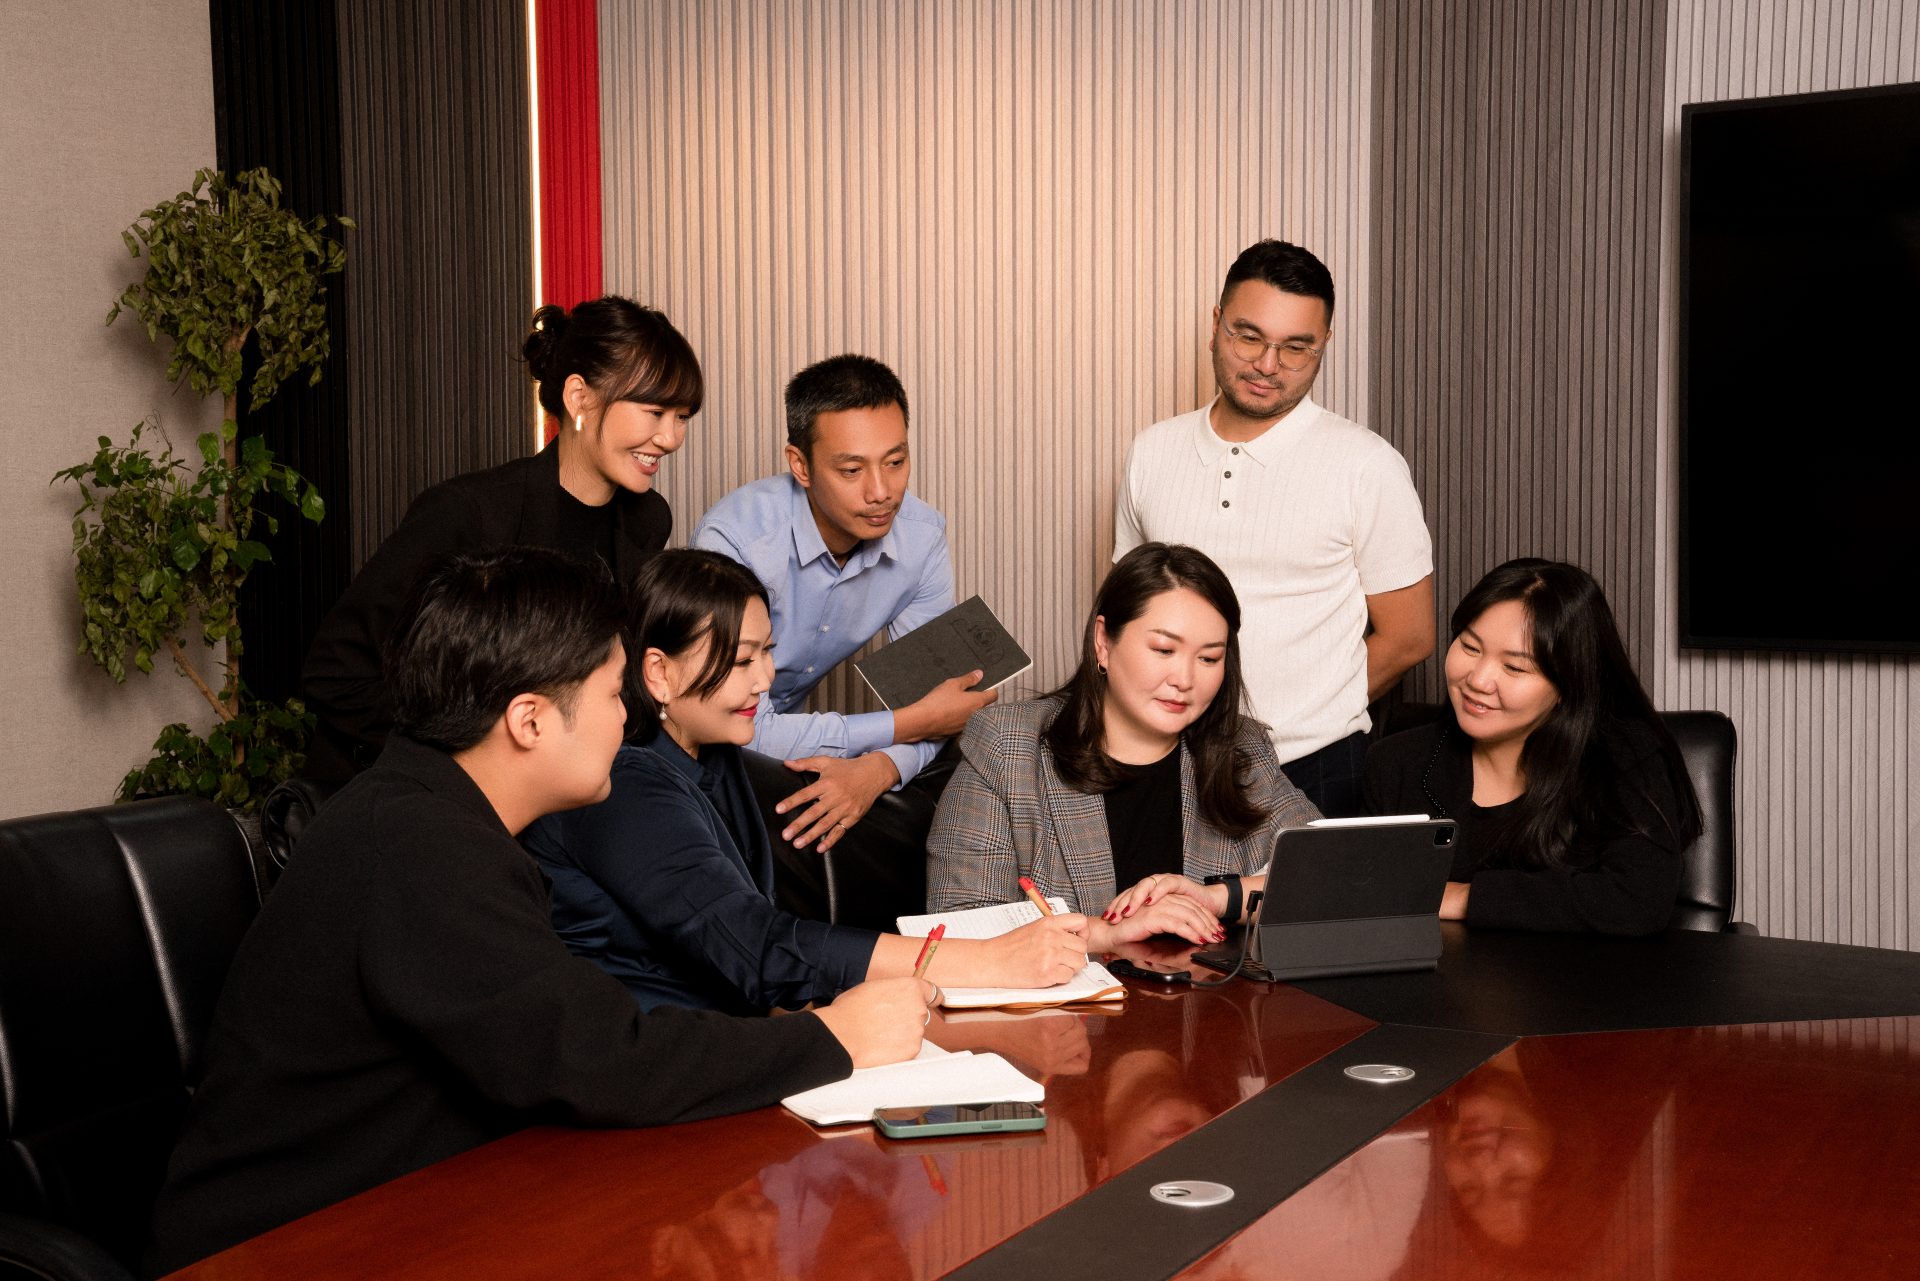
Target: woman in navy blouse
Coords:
[[668, 884]]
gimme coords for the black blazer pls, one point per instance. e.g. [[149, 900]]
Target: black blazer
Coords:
[[515, 504]]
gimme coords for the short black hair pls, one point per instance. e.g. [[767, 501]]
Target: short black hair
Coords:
[[1288, 268], [678, 597], [480, 629], [835, 384]]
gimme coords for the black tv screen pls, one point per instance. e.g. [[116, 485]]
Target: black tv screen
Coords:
[[1800, 372]]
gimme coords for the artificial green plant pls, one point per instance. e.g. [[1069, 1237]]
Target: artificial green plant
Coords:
[[160, 543]]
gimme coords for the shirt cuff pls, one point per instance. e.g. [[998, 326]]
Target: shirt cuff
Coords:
[[868, 732]]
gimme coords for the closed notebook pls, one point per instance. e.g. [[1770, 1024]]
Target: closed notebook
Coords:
[[1094, 983], [966, 638]]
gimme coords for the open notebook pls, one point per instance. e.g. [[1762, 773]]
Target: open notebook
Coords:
[[936, 1077], [1094, 983]]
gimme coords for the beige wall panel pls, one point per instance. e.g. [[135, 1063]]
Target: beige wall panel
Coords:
[[1828, 777], [1024, 208], [107, 109]]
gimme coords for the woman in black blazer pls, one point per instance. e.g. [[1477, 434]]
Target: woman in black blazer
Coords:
[[620, 383], [1572, 801]]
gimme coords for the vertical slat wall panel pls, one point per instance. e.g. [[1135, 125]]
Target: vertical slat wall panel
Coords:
[[1828, 776], [1517, 202], [433, 105], [276, 95], [1025, 208]]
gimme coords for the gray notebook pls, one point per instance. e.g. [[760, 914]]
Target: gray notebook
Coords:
[[966, 637]]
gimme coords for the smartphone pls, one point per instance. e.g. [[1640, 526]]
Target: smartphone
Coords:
[[958, 1118], [1149, 970]]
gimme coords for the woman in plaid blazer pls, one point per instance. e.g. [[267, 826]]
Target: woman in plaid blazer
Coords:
[[1035, 792]]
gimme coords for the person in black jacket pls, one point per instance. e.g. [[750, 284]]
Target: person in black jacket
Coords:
[[620, 383], [1572, 801], [402, 995]]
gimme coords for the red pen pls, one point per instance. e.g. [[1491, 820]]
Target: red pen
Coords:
[[1026, 887], [926, 949]]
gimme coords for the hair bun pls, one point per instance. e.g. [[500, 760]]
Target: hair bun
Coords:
[[544, 340]]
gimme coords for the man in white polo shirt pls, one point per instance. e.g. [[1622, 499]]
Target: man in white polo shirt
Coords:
[[1313, 518]]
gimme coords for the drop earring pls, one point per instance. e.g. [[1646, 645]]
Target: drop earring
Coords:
[[663, 711], [579, 421]]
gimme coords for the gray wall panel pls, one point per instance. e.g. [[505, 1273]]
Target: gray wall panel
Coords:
[[433, 105], [1828, 774], [1025, 208]]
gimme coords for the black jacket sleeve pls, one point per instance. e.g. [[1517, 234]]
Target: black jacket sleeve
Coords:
[[463, 955], [342, 680]]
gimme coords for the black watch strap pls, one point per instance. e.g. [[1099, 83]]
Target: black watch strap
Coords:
[[1232, 882]]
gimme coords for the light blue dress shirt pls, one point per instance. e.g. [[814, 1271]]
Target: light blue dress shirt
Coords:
[[823, 611]]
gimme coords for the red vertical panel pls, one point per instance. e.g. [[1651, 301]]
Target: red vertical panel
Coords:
[[567, 37], [567, 33]]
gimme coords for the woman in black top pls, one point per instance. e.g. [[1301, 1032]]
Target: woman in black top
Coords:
[[620, 383], [1144, 770], [1572, 801]]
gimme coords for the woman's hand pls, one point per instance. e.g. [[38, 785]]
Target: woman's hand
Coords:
[[1155, 888], [1177, 914], [1453, 901], [1042, 953]]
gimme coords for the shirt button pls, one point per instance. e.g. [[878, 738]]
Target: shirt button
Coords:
[[1236, 449], [824, 627], [1225, 503], [809, 671], [1229, 475]]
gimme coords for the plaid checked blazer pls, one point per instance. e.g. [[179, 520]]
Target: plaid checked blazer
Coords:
[[1006, 814]]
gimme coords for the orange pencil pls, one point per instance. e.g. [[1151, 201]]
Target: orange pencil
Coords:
[[926, 950], [1026, 887]]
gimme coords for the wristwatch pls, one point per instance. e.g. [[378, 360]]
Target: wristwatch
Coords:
[[1232, 882]]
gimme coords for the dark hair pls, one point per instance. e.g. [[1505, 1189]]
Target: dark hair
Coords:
[[623, 350], [1571, 759], [835, 384], [1220, 771], [677, 598], [481, 629], [1288, 268]]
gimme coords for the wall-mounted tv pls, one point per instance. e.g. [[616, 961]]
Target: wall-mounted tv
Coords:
[[1800, 372]]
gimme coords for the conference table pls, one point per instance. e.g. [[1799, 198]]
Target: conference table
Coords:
[[1687, 1105]]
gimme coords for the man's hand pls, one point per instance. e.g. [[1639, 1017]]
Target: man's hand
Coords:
[[881, 1020], [943, 712], [839, 798]]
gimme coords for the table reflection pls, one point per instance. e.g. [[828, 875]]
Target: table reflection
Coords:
[[1628, 1154]]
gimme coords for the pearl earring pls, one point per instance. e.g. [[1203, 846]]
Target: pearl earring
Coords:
[[663, 711]]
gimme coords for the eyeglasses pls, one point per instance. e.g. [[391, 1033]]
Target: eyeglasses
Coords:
[[1252, 348]]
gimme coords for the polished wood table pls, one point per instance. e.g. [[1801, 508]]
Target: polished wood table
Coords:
[[1773, 1150], [1689, 1105]]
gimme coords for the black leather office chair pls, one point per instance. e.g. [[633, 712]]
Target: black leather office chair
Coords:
[[117, 926], [1708, 743]]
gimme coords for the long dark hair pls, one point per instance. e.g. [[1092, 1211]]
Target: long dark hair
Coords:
[[1570, 760], [1219, 770], [677, 598]]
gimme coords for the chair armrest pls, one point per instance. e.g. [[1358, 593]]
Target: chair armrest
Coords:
[[48, 1250]]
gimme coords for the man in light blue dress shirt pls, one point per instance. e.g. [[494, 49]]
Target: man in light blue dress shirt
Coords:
[[845, 551]]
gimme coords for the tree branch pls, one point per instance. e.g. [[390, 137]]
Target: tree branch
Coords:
[[206, 690]]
